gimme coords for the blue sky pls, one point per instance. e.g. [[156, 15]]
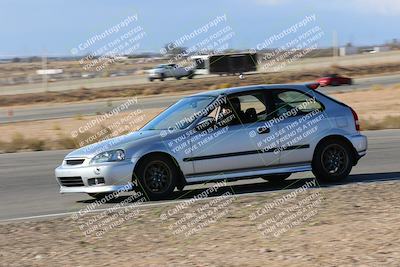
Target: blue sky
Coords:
[[30, 27]]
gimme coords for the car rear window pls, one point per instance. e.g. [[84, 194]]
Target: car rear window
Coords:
[[287, 100]]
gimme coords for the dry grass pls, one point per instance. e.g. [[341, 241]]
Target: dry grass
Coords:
[[151, 91], [56, 127], [377, 87], [35, 144], [20, 142], [61, 141], [47, 134], [389, 122], [67, 142], [219, 86], [372, 106], [78, 117], [396, 86]]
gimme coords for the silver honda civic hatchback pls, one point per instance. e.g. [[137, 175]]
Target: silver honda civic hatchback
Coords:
[[267, 131]]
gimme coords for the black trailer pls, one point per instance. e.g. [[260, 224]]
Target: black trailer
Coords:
[[233, 63]]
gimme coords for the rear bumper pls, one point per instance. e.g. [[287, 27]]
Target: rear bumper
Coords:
[[360, 144]]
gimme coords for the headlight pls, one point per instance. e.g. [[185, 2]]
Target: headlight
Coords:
[[109, 156]]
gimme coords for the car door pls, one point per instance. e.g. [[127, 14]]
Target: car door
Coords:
[[180, 71], [301, 120], [167, 71], [240, 139], [174, 70]]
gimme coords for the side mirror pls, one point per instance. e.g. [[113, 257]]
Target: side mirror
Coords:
[[205, 123]]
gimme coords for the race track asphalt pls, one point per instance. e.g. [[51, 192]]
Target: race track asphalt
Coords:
[[28, 187]]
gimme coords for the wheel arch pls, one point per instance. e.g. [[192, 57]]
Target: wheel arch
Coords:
[[181, 178], [342, 138]]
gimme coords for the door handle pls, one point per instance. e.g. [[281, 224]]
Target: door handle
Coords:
[[263, 130]]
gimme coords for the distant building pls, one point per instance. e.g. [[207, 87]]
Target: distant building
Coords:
[[378, 49], [49, 71], [348, 50]]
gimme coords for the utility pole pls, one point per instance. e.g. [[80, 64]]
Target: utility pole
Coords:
[[44, 68], [335, 45]]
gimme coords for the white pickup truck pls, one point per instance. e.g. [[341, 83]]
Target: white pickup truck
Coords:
[[163, 71]]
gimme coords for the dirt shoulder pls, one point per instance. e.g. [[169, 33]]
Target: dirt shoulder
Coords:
[[375, 103], [378, 108], [209, 83], [352, 225]]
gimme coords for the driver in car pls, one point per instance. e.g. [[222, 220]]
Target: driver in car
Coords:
[[231, 113]]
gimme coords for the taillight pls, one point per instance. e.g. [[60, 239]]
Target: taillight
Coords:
[[313, 86], [356, 121]]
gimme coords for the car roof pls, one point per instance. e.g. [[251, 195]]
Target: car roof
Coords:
[[234, 90]]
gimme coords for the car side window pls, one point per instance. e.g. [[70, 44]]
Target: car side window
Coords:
[[287, 101], [242, 109]]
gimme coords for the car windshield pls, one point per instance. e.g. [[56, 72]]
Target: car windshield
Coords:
[[181, 114], [161, 66]]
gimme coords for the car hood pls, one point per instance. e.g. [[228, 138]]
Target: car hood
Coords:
[[120, 142]]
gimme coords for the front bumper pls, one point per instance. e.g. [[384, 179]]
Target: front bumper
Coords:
[[155, 74], [96, 189], [117, 177]]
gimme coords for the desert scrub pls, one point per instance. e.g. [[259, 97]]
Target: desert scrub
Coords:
[[35, 144], [389, 122], [19, 142], [67, 142]]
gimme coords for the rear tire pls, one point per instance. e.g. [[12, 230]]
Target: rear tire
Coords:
[[332, 161], [162, 77], [157, 177]]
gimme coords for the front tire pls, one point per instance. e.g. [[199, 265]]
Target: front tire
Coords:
[[157, 177], [332, 161]]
